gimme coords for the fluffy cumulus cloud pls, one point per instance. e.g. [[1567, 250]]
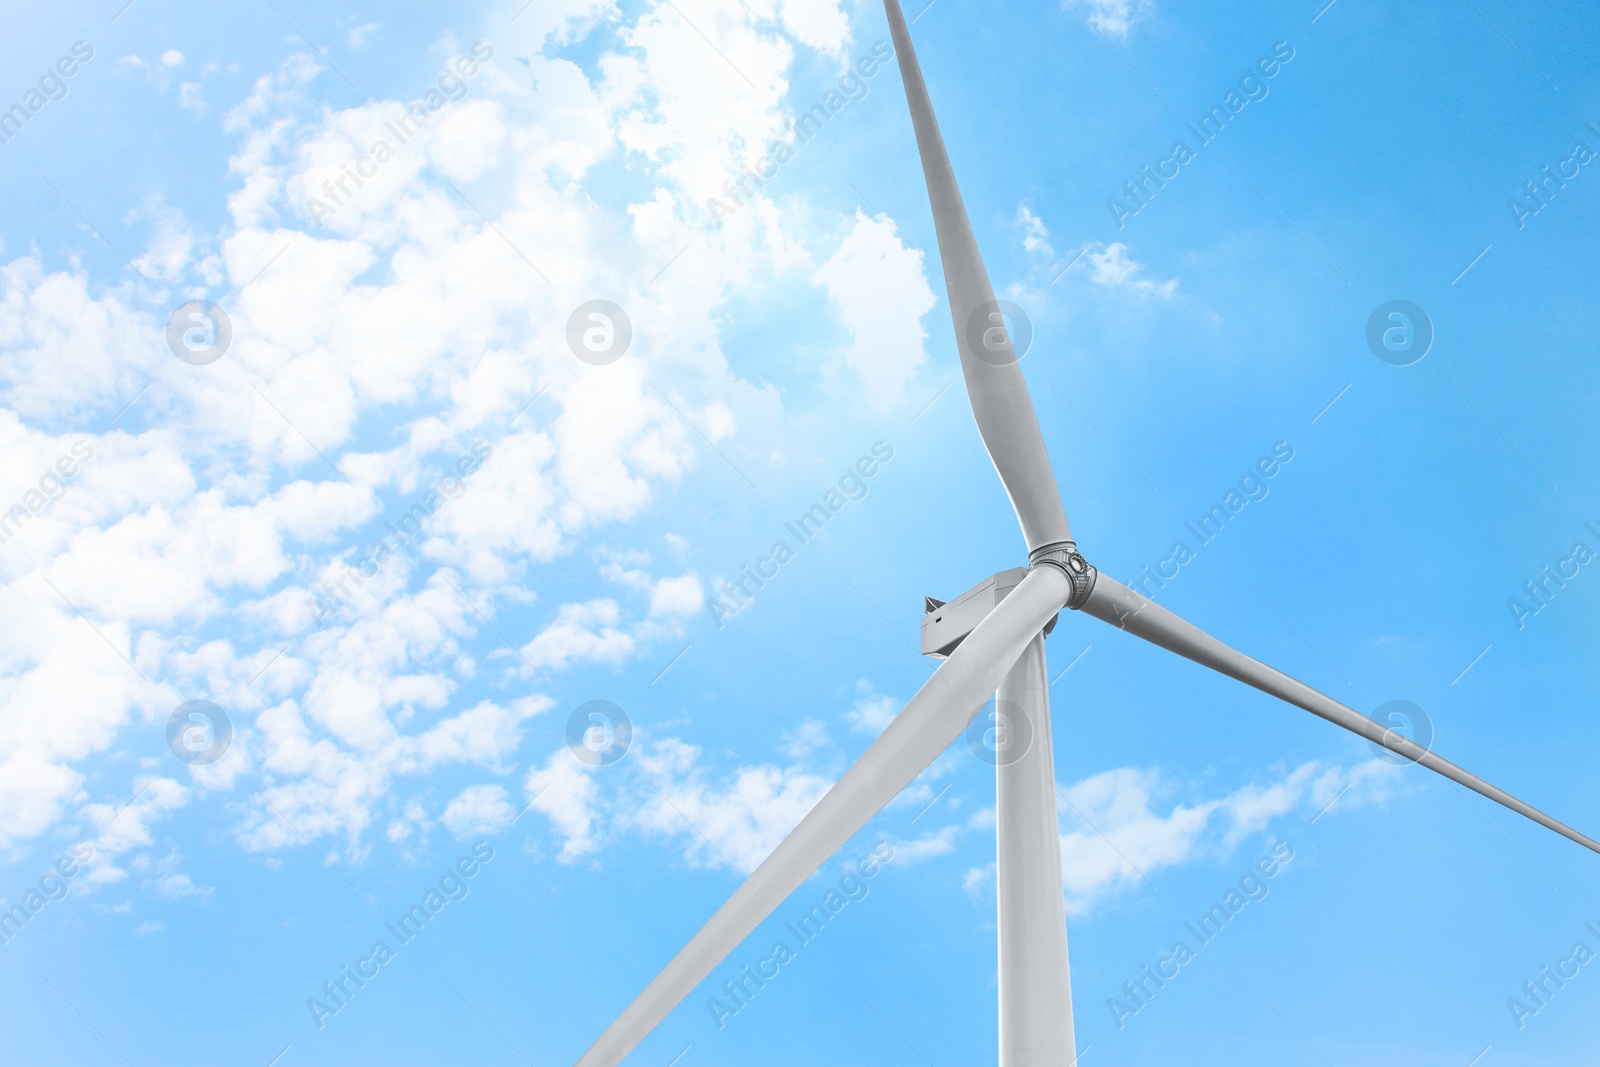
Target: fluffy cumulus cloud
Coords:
[[477, 811], [1116, 17], [1112, 267], [873, 711], [567, 794], [664, 791], [734, 822], [239, 531], [1117, 830], [1117, 827], [163, 70], [1108, 265], [127, 825], [882, 294], [594, 631], [68, 688], [1035, 235]]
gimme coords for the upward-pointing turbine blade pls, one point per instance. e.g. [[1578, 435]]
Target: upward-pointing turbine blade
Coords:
[[935, 717], [1115, 603], [995, 387]]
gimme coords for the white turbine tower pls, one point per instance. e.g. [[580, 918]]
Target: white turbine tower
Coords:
[[992, 639]]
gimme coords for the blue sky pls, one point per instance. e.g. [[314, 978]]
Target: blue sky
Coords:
[[182, 523]]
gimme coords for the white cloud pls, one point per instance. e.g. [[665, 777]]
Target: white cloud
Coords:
[[810, 736], [126, 827], [360, 36], [877, 283], [172, 243], [1116, 17], [65, 690], [873, 711], [593, 631], [713, 99], [332, 760], [178, 885], [156, 71], [662, 790], [675, 598], [937, 843], [478, 810], [191, 98], [818, 23], [1035, 235], [471, 136], [166, 881], [193, 540], [1113, 268], [564, 791], [736, 821], [67, 353], [581, 633], [1118, 835], [1118, 827]]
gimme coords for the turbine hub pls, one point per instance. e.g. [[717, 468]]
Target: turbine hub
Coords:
[[1065, 557]]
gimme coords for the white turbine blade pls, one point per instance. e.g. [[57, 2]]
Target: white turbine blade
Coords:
[[935, 717], [995, 387], [1115, 603], [1035, 981]]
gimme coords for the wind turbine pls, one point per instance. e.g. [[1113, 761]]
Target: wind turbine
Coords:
[[992, 638]]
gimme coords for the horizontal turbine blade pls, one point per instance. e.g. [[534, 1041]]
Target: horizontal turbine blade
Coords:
[[999, 395], [935, 717], [1115, 603]]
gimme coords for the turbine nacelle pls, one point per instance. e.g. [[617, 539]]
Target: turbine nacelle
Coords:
[[946, 623]]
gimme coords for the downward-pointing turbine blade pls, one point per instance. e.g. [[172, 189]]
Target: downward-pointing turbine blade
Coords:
[[999, 396], [935, 717], [1122, 607]]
